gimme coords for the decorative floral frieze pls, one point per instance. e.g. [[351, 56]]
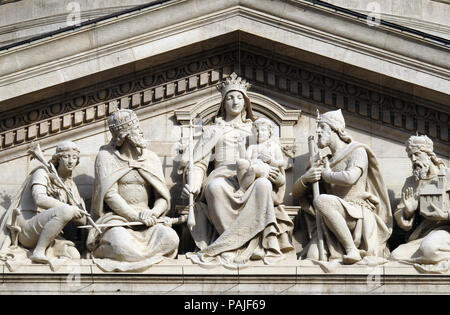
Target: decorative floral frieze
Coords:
[[199, 71]]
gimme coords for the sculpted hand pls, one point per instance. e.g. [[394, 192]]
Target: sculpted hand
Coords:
[[436, 214], [78, 212], [276, 177], [187, 190], [312, 175], [409, 200], [147, 217]]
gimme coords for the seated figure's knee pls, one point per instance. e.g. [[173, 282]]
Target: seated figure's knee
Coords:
[[323, 202], [214, 187], [173, 238], [242, 163], [66, 213], [263, 184], [169, 237], [429, 249]]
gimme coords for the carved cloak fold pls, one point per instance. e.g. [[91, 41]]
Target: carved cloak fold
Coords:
[[255, 216], [110, 167], [375, 243], [123, 248]]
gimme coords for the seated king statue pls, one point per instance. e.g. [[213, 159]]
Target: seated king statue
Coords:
[[353, 203], [129, 186], [427, 223]]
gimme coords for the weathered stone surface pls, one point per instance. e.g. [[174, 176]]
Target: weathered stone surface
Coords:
[[290, 277], [388, 86]]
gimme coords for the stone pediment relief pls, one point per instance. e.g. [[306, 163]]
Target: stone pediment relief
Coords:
[[146, 170], [111, 100], [369, 108]]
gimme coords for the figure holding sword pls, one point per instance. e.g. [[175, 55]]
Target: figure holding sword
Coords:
[[47, 201], [130, 199]]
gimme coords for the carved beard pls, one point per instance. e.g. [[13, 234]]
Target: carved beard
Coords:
[[137, 140], [420, 169], [323, 141]]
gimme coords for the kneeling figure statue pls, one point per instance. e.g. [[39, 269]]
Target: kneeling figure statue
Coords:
[[46, 202]]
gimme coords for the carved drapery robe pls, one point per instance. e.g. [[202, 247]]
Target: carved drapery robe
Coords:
[[366, 201], [431, 257], [225, 223], [126, 248]]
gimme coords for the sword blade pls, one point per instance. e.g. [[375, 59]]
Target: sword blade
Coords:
[[110, 225]]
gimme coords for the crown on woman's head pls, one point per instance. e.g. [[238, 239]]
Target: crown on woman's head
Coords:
[[233, 83]]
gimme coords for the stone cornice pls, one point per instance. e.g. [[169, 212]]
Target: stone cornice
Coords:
[[370, 46], [181, 276], [22, 26], [433, 28], [378, 49], [295, 85]]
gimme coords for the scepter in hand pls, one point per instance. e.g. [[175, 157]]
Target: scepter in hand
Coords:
[[191, 216], [315, 186], [189, 191], [36, 153]]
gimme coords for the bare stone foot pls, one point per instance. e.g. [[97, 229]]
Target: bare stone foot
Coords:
[[352, 257], [38, 256]]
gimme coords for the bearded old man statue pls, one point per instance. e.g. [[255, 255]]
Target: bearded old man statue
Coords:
[[353, 204], [428, 243], [129, 186]]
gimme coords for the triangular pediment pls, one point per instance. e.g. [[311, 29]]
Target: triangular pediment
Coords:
[[164, 61], [190, 80], [140, 37]]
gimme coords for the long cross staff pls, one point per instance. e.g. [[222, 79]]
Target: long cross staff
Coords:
[[191, 216], [35, 151], [316, 193]]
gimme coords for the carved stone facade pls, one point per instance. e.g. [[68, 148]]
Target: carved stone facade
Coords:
[[266, 70], [171, 81]]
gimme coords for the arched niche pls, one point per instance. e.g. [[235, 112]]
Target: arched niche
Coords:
[[284, 119]]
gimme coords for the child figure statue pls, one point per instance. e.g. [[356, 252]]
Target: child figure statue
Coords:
[[257, 160]]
